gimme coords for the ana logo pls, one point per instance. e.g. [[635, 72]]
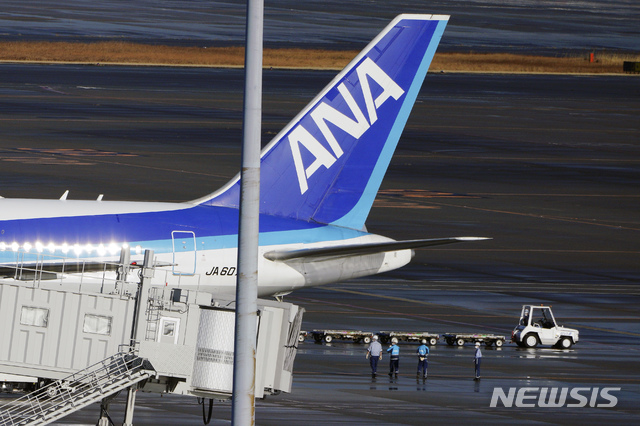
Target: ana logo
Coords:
[[554, 397], [355, 127]]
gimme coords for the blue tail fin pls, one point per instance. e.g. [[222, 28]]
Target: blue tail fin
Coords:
[[326, 165]]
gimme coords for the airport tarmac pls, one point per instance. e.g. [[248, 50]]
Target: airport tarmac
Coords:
[[548, 166], [550, 28]]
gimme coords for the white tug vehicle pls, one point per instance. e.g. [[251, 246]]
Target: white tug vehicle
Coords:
[[538, 327]]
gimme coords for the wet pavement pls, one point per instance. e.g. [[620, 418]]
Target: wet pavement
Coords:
[[550, 27], [549, 166]]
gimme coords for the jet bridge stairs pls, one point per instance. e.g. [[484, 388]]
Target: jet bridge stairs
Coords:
[[179, 337], [75, 392]]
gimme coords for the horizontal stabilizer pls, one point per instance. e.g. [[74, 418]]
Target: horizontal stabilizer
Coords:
[[362, 249]]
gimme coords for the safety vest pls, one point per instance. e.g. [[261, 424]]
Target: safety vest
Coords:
[[395, 350], [423, 350]]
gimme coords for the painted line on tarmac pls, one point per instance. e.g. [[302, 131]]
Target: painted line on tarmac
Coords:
[[539, 216], [564, 378], [606, 330]]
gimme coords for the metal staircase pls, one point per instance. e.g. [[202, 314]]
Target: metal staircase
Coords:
[[72, 393]]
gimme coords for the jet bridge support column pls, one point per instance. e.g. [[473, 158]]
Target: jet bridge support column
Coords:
[[142, 300], [104, 409]]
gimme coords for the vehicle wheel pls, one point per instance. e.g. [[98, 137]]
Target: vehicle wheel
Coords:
[[565, 343], [366, 339], [301, 338], [488, 343], [328, 338], [317, 338], [450, 341], [530, 340], [433, 341], [499, 343], [460, 342]]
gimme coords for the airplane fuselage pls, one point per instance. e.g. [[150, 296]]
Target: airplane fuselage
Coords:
[[196, 243], [318, 180]]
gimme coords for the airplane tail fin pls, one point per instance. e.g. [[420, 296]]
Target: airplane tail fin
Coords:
[[327, 164]]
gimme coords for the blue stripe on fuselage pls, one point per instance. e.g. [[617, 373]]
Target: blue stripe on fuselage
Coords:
[[216, 227]]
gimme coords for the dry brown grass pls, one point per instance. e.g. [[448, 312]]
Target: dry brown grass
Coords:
[[132, 53], [506, 62]]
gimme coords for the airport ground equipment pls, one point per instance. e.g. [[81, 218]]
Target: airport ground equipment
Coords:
[[358, 336], [459, 339], [408, 336], [329, 336], [76, 338], [10, 382], [538, 326]]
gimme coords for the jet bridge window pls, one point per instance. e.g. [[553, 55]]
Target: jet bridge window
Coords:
[[169, 330], [37, 317], [97, 324]]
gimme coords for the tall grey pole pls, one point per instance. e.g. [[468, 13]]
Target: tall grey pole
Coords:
[[244, 367]]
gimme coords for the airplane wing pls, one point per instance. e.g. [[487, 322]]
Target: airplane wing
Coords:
[[362, 249]]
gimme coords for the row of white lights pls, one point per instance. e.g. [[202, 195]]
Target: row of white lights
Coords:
[[101, 249]]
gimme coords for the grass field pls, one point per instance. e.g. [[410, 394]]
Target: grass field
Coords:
[[115, 52]]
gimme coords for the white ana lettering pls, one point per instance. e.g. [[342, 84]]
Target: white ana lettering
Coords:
[[575, 394], [369, 69], [522, 395], [323, 113], [552, 402], [613, 401], [323, 157], [507, 400]]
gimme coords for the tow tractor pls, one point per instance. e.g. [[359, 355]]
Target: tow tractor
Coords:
[[538, 327]]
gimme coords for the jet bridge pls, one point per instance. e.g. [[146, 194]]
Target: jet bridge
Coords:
[[75, 334]]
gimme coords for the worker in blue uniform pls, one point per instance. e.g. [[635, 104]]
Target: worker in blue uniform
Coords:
[[423, 353], [394, 362], [476, 361]]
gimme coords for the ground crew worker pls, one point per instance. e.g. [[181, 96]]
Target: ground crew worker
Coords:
[[423, 353], [395, 357], [374, 354], [476, 361]]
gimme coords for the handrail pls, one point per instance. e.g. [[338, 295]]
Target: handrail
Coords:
[[77, 390]]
